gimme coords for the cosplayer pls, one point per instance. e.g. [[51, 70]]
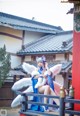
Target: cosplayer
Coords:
[[44, 70], [41, 81]]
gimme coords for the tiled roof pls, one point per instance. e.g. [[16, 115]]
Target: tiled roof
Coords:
[[27, 24], [59, 43], [65, 65], [16, 72]]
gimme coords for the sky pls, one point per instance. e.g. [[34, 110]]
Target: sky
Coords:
[[52, 12]]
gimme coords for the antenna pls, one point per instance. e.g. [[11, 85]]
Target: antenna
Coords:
[[33, 18]]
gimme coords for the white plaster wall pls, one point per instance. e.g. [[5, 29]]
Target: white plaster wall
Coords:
[[60, 57], [2, 41], [31, 36], [27, 58], [59, 79], [11, 31], [12, 44], [70, 57], [15, 61]]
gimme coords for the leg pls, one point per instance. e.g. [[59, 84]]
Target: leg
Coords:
[[53, 94], [45, 90]]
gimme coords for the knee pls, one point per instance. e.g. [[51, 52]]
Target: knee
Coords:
[[48, 87]]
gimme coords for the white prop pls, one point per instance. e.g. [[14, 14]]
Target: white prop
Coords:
[[28, 68], [56, 69], [17, 101], [22, 83]]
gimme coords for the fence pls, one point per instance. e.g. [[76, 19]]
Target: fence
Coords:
[[63, 109], [6, 95]]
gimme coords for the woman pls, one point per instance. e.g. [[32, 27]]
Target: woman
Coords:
[[46, 87], [42, 68]]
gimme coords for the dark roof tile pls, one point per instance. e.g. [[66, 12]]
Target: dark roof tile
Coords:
[[20, 23], [49, 44]]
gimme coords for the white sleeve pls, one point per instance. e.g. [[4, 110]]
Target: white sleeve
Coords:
[[41, 82]]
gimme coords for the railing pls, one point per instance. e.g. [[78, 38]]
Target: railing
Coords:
[[71, 102], [24, 109], [63, 109]]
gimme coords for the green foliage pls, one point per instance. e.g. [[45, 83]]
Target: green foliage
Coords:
[[4, 64]]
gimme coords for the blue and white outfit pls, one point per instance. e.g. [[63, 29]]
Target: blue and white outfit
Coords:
[[36, 98], [49, 81]]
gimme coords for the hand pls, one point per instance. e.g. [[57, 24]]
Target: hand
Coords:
[[46, 65], [36, 77], [49, 72], [36, 86]]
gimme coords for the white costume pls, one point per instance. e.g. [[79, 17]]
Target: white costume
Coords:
[[25, 82]]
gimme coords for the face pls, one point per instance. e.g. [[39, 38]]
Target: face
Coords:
[[40, 64]]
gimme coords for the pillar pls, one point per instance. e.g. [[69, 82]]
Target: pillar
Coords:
[[65, 77], [76, 59]]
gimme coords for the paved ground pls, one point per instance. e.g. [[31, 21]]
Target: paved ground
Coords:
[[14, 112], [10, 111]]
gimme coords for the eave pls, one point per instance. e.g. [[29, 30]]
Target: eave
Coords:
[[42, 52], [71, 1]]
